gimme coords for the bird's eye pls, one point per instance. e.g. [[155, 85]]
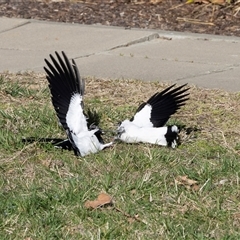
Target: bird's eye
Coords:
[[119, 123], [120, 130]]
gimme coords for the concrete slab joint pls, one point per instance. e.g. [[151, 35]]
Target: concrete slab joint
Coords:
[[137, 41]]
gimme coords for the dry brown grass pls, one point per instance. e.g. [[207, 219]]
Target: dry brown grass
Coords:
[[215, 112]]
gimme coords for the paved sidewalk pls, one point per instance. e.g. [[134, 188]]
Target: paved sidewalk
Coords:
[[111, 52]]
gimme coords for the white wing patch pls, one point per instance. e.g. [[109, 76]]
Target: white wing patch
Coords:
[[75, 118], [142, 118]]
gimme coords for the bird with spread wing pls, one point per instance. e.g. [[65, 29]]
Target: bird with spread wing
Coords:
[[67, 90], [147, 125]]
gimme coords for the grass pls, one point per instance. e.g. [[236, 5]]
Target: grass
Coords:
[[43, 190]]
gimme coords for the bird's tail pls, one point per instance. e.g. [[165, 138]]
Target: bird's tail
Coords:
[[172, 136], [178, 133], [56, 142]]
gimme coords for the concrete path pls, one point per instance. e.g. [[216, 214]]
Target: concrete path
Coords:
[[113, 52]]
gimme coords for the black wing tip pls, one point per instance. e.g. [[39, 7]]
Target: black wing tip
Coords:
[[63, 82], [52, 57], [177, 87], [167, 102], [178, 91], [63, 53]]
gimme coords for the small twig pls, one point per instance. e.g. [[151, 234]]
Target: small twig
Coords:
[[201, 188], [236, 11], [226, 144], [194, 21], [179, 5], [213, 11]]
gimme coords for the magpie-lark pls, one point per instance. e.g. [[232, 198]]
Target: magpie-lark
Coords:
[[147, 125], [67, 90]]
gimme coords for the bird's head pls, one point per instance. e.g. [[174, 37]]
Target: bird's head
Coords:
[[120, 131]]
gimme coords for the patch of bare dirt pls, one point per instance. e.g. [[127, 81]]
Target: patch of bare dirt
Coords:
[[200, 16]]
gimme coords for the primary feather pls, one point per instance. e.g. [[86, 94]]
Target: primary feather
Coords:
[[67, 90], [158, 109]]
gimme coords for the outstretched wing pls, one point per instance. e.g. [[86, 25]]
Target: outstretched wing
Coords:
[[158, 109], [67, 89]]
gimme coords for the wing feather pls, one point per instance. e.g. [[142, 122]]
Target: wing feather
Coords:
[[67, 90], [158, 109]]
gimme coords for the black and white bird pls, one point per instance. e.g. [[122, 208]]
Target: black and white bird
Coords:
[[67, 90], [148, 123]]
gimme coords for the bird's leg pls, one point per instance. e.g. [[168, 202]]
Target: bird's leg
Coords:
[[106, 145]]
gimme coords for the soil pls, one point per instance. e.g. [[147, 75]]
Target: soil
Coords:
[[173, 15]]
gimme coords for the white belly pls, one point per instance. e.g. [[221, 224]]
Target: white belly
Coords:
[[145, 135], [87, 144]]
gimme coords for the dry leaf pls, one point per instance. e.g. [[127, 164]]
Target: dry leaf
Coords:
[[188, 183], [195, 187], [101, 200]]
